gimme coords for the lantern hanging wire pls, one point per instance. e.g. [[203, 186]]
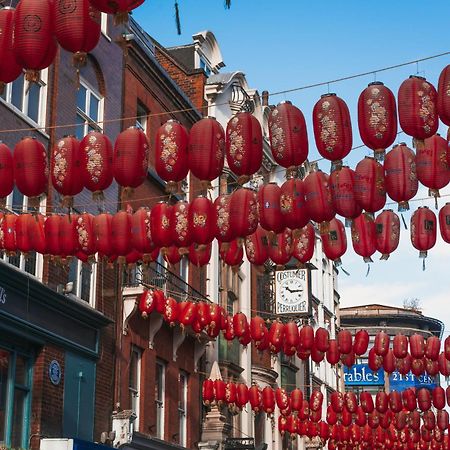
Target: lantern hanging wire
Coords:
[[177, 17]]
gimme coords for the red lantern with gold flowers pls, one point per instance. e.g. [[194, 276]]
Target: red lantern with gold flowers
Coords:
[[258, 329], [292, 204], [96, 162], [334, 241], [281, 247], [431, 164], [423, 230], [291, 338], [187, 313], [377, 117], [77, 27], [171, 311], [442, 419], [179, 225], [296, 399], [276, 336], [342, 181], [417, 109], [206, 150], [400, 175], [219, 391], [232, 254], [316, 400], [222, 223], [11, 69], [424, 399], [400, 345], [432, 348], [257, 247], [389, 362], [161, 219], [332, 127], [374, 361], [146, 303], [381, 343], [121, 233], [141, 236], [417, 345], [130, 162], [364, 236], [417, 366], [30, 167], [370, 192], [337, 401], [6, 163], [443, 95], [303, 247], [438, 395], [171, 156], [201, 220], [103, 233], [387, 227], [270, 216], [282, 398], [366, 401], [318, 197], [322, 339], [288, 135], [244, 145], [22, 224], [199, 255], [65, 168], [85, 232], [208, 392], [255, 398], [34, 42], [444, 222], [268, 400], [203, 315], [240, 324], [361, 342], [444, 365], [243, 212]]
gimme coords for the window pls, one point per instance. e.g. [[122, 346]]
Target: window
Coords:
[[205, 67], [184, 270], [104, 24], [28, 98], [89, 110], [83, 277], [159, 398], [182, 407], [288, 373], [260, 429], [15, 397], [134, 383], [141, 117]]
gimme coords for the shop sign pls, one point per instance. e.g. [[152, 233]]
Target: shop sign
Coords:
[[362, 375]]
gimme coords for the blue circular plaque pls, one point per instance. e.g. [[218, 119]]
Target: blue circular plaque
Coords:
[[54, 372]]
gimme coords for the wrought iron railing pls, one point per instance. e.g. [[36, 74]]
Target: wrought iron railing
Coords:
[[240, 443]]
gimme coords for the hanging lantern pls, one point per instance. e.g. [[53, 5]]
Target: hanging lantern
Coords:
[[333, 355], [199, 255], [6, 157], [417, 108], [288, 135], [170, 314], [203, 316], [208, 392], [292, 204], [276, 336], [306, 337], [342, 181], [291, 338], [146, 303], [65, 169], [361, 342], [442, 419], [423, 230], [120, 8], [443, 95], [381, 343], [337, 401], [438, 395], [85, 234], [230, 394], [258, 329], [432, 348], [349, 359], [280, 248], [103, 233], [22, 223], [334, 241], [364, 236], [374, 360], [68, 235], [361, 418], [187, 313], [161, 219], [130, 162], [243, 214], [179, 225], [444, 365], [244, 145], [217, 315], [350, 402], [34, 43], [241, 395], [171, 156], [37, 234], [377, 118], [232, 255], [219, 391], [52, 235], [172, 255], [345, 341], [370, 192], [206, 149], [96, 163], [400, 175], [331, 416], [387, 227], [282, 398], [257, 247], [332, 128], [77, 28], [304, 243], [423, 399], [432, 367], [431, 164], [318, 197], [121, 233], [444, 222], [30, 167], [270, 217], [400, 345], [404, 364], [322, 339], [141, 236], [316, 400], [201, 220], [317, 355], [389, 362], [296, 399], [366, 401], [11, 69], [255, 398], [268, 400], [417, 346], [222, 224], [240, 324]]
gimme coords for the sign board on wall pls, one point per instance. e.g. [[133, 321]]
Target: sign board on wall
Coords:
[[399, 382], [362, 375], [291, 291]]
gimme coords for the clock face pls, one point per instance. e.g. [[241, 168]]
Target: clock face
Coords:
[[291, 287], [292, 290]]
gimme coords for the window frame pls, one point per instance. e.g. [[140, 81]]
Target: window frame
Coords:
[[142, 116], [134, 392], [160, 402], [78, 281], [88, 121], [182, 411]]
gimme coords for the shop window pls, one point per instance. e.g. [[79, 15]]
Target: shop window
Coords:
[[83, 276], [160, 376], [15, 397], [28, 98], [182, 408], [141, 117], [89, 110]]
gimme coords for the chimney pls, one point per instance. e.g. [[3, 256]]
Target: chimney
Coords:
[[265, 98]]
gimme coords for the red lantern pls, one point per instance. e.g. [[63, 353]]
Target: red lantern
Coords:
[[201, 220], [11, 69], [296, 399], [404, 364], [349, 359], [444, 222], [171, 156], [400, 346], [370, 192], [331, 416], [366, 401], [203, 315], [161, 219], [52, 235], [424, 399], [187, 313], [230, 394], [222, 224], [423, 230], [121, 233], [199, 255], [377, 117], [316, 355], [276, 336], [146, 303], [171, 311], [37, 234], [219, 391], [389, 362], [6, 157], [291, 338], [268, 400], [206, 149], [270, 217], [447, 348], [401, 175], [77, 28], [103, 233], [395, 401], [342, 182], [34, 43], [350, 402], [322, 339], [141, 236], [431, 164], [240, 324], [333, 355], [318, 197], [364, 236], [334, 241], [68, 235], [288, 135], [85, 233], [304, 242], [179, 224], [255, 398], [417, 108], [361, 342], [387, 227], [228, 331], [438, 394], [332, 127], [374, 361], [241, 395], [280, 248], [432, 348], [22, 224], [381, 344], [282, 398], [442, 419], [130, 163], [345, 341], [243, 213], [417, 366], [30, 167], [208, 392], [244, 145], [258, 329], [443, 95], [337, 401], [232, 254], [118, 7], [444, 365], [432, 366], [217, 315], [292, 204], [257, 247], [316, 400]]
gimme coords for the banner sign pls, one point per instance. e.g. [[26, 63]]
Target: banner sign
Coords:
[[361, 375], [399, 382]]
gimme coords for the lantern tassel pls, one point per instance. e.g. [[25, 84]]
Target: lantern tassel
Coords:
[[404, 221], [348, 223], [338, 262], [336, 165], [291, 172], [243, 179], [379, 154], [177, 18], [434, 193], [423, 254], [423, 264], [171, 187], [228, 4], [403, 206], [67, 201], [368, 267], [346, 273], [385, 257]]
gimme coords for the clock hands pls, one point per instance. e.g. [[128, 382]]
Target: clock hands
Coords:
[[292, 291]]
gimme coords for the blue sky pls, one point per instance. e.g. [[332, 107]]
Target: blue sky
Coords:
[[286, 44]]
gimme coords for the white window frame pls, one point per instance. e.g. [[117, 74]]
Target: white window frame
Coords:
[[160, 404], [93, 282], [182, 413], [84, 114], [104, 25], [141, 120], [135, 392], [22, 112]]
